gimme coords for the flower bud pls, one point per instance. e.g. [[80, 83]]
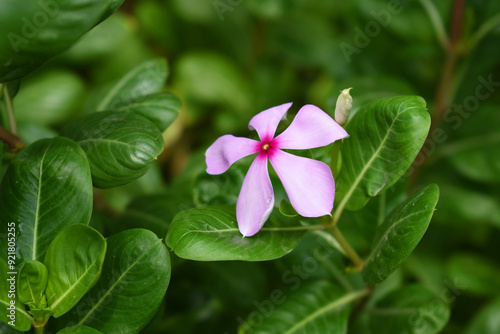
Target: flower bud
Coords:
[[343, 107]]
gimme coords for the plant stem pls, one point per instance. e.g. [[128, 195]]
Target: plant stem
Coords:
[[349, 251], [436, 22], [335, 158], [39, 329], [10, 111], [13, 141]]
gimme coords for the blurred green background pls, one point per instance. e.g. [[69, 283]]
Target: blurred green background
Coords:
[[230, 59]]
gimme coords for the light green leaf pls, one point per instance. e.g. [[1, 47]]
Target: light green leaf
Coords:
[[385, 136], [134, 280], [73, 262], [32, 283], [318, 307], [478, 275], [211, 234], [146, 78], [50, 97], [486, 321], [47, 187], [34, 30], [79, 329], [11, 308], [398, 236], [120, 146], [410, 309], [475, 153], [160, 108]]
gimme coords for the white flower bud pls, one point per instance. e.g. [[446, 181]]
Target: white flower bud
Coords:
[[343, 107]]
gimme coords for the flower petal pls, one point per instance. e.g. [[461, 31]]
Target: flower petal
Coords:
[[266, 122], [308, 183], [256, 198], [311, 127], [226, 150]]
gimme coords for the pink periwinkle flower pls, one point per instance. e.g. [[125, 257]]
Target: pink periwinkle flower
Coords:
[[308, 183]]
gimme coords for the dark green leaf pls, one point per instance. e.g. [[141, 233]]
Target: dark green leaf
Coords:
[[318, 307], [478, 275], [134, 280], [486, 321], [47, 187], [49, 98], [79, 329], [32, 283], [211, 234], [398, 236], [146, 78], [34, 30], [385, 136], [160, 108], [8, 296], [409, 309], [74, 262], [120, 146]]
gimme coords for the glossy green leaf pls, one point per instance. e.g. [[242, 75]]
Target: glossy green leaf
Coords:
[[73, 262], [409, 309], [47, 187], [32, 282], [11, 308], [50, 97], [486, 321], [317, 307], [120, 146], [35, 31], [146, 78], [134, 280], [478, 275], [385, 136], [475, 152], [79, 329], [160, 108], [211, 234], [398, 236]]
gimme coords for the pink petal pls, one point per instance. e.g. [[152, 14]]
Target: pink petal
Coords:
[[226, 150], [266, 122], [311, 127], [256, 198], [308, 183]]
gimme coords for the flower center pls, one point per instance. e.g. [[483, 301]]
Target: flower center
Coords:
[[265, 146]]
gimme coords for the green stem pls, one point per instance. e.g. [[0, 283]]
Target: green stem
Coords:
[[436, 22], [13, 141], [483, 30], [349, 251], [39, 329]]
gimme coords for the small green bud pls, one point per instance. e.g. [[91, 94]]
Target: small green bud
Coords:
[[343, 107]]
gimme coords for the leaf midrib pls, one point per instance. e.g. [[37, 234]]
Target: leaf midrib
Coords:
[[367, 166], [96, 305], [37, 210]]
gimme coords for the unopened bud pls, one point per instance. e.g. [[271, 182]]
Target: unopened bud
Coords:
[[343, 107]]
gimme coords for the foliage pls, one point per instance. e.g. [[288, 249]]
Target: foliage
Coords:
[[105, 202]]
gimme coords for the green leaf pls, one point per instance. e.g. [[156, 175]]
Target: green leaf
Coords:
[[49, 98], [486, 321], [385, 136], [32, 283], [134, 280], [11, 308], [318, 307], [398, 236], [146, 78], [479, 275], [409, 309], [79, 329], [475, 153], [160, 108], [120, 146], [47, 187], [74, 262], [34, 30], [211, 234]]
